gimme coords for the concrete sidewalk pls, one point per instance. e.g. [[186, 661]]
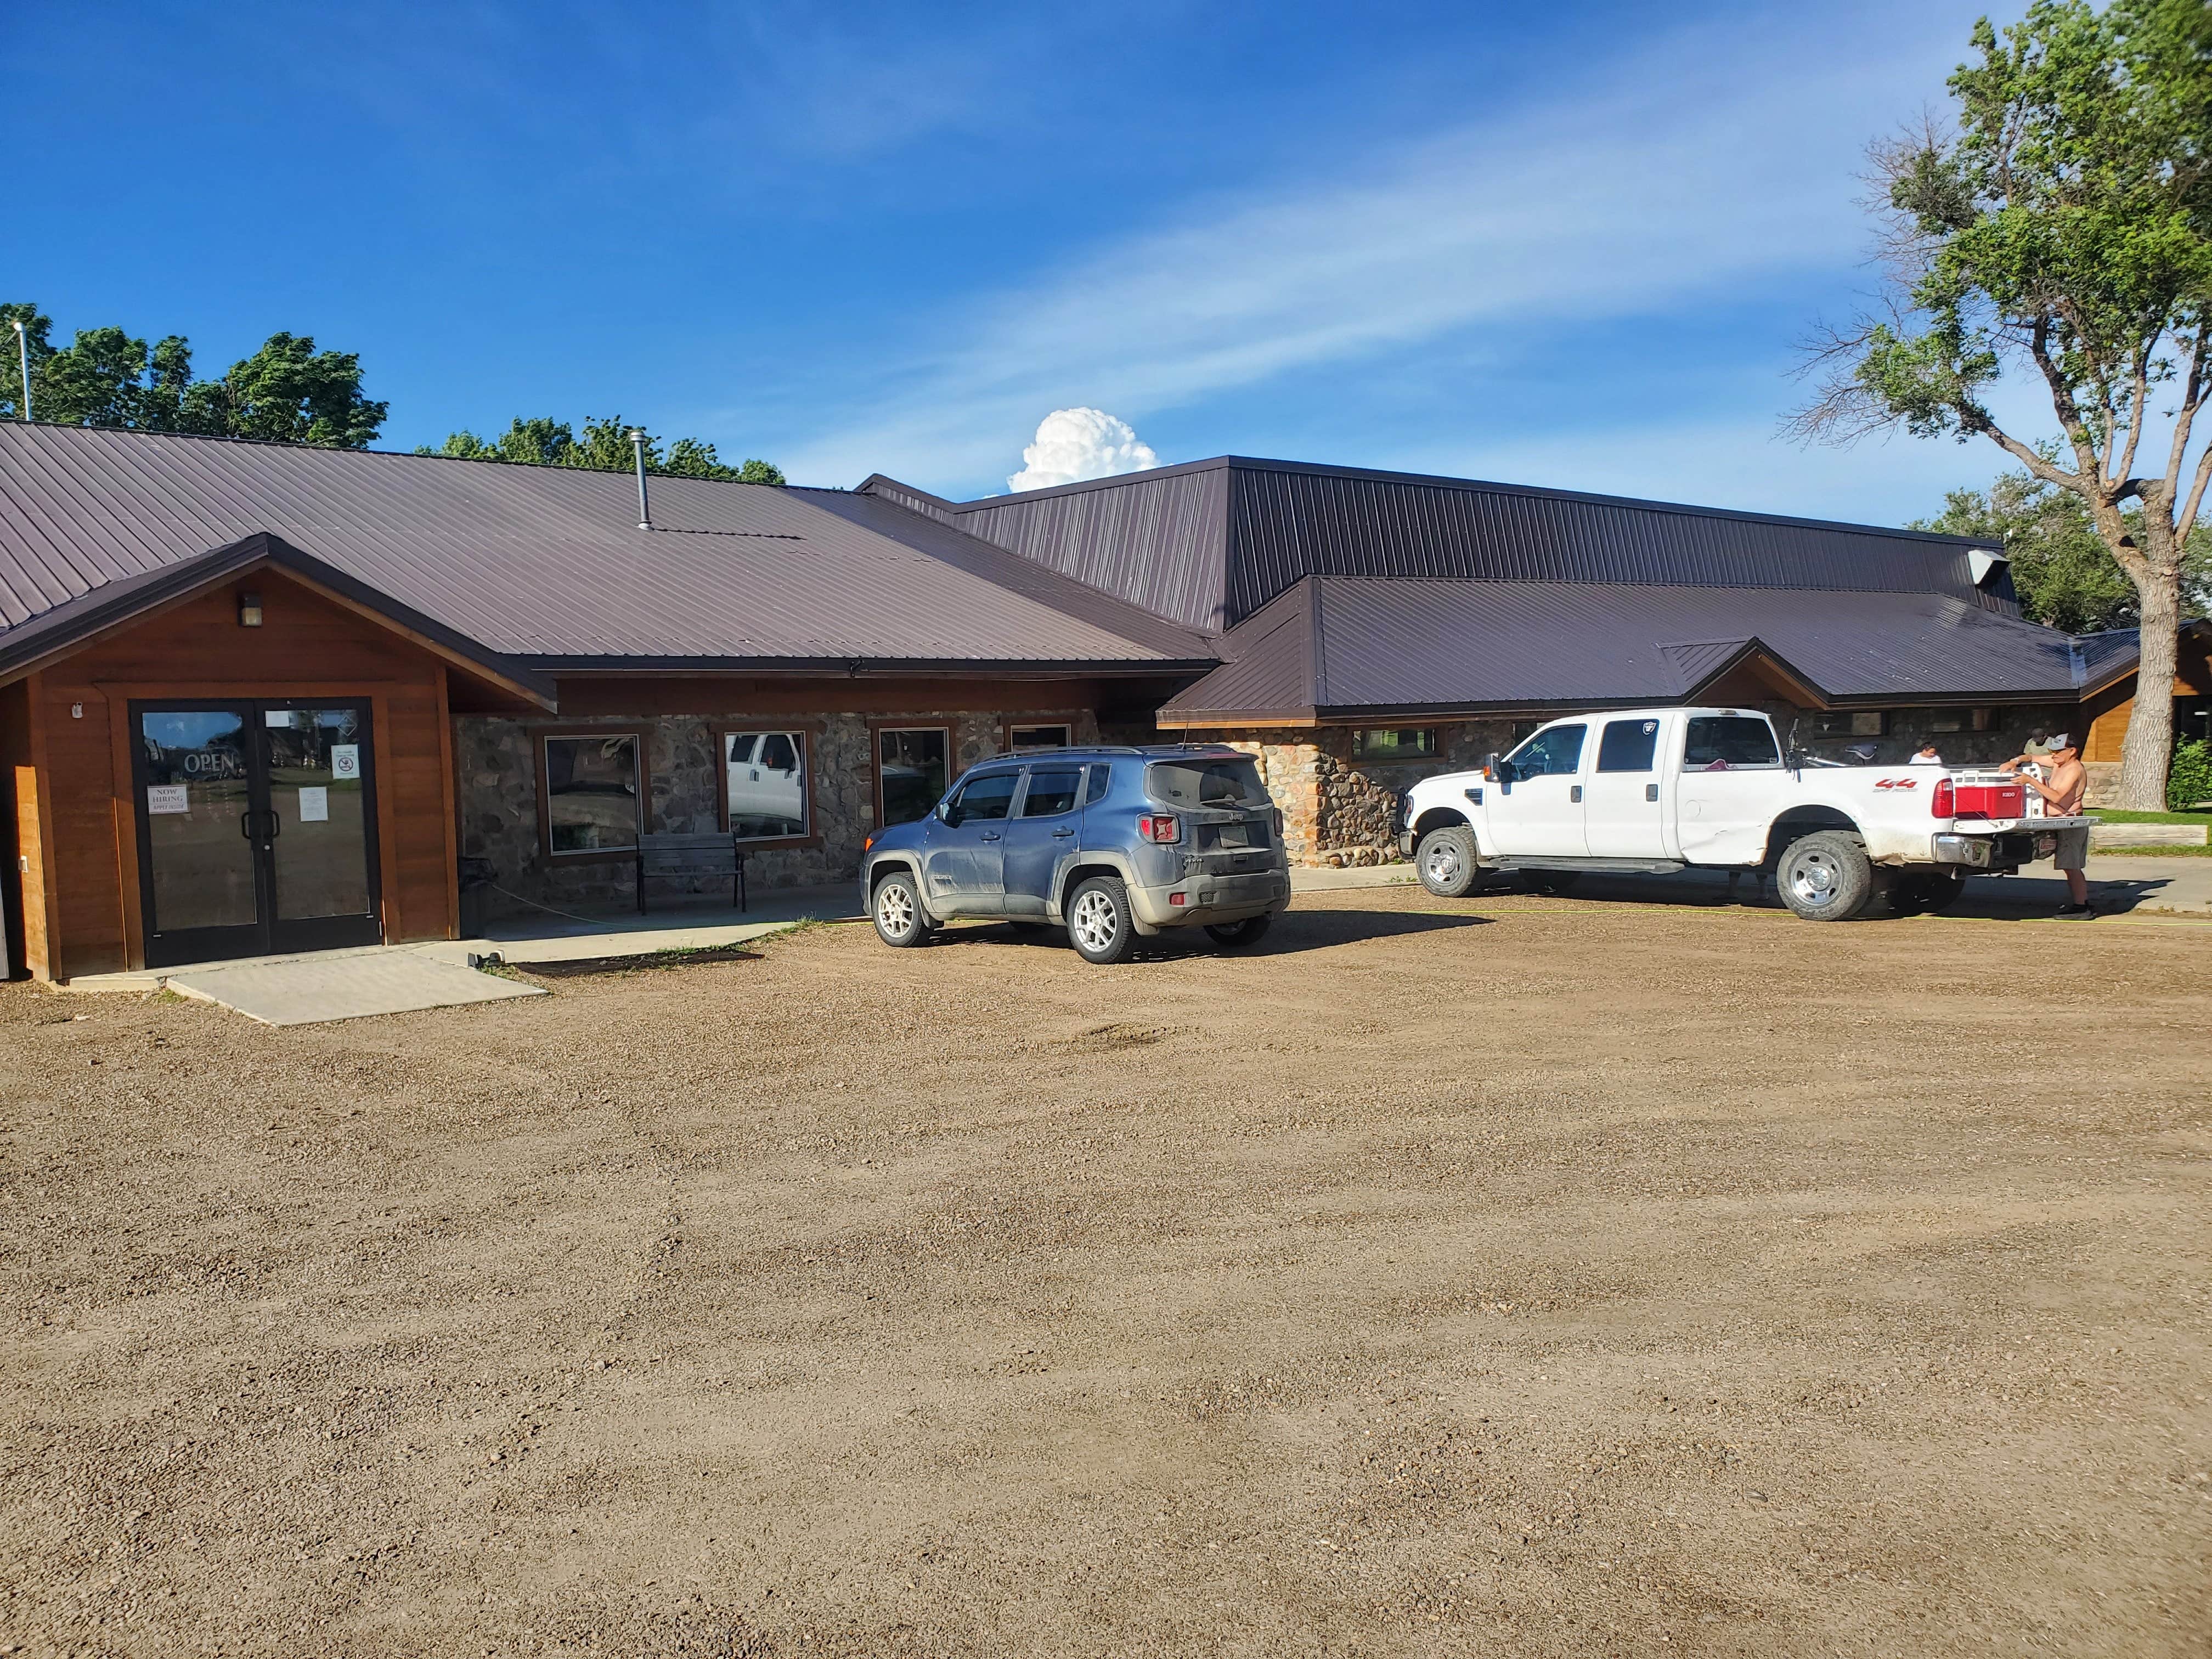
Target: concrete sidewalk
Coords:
[[584, 933]]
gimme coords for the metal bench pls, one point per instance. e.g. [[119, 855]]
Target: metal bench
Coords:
[[683, 858]]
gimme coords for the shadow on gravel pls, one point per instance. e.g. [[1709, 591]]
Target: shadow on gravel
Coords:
[[1987, 898], [1294, 931]]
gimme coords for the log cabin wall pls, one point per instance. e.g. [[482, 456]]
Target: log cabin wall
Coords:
[[308, 645]]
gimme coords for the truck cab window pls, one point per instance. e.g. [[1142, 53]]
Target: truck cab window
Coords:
[[1555, 751], [1627, 746], [1721, 743]]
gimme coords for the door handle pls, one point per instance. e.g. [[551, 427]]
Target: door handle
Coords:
[[1651, 792], [1574, 791], [1062, 832], [990, 835]]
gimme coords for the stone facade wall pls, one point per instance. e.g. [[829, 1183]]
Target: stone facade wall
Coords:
[[498, 759], [1341, 811]]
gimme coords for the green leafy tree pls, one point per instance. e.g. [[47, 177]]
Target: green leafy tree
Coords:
[[2065, 575], [287, 391], [2063, 229], [603, 446]]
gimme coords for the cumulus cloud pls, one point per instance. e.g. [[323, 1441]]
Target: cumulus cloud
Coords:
[[1075, 444]]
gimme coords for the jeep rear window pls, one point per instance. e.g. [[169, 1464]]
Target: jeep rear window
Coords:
[[1224, 782]]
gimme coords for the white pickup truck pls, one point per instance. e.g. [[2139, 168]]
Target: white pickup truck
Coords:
[[1650, 790]]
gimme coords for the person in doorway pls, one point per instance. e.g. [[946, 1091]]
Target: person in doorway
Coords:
[[1926, 755], [2068, 782]]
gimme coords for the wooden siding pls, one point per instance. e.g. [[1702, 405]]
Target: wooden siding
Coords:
[[2107, 714], [307, 646]]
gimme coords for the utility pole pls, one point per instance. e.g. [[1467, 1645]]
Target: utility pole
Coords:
[[23, 355]]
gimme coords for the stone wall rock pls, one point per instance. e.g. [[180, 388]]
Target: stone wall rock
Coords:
[[498, 762]]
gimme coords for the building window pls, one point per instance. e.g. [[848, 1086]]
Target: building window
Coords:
[[1037, 737], [1406, 742], [764, 785], [912, 770], [1850, 723], [593, 796]]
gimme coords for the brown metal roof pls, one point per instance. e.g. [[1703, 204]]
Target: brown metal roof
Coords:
[[545, 564], [1336, 647], [1207, 544]]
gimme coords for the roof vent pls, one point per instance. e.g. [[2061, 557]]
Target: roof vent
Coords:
[[1980, 561]]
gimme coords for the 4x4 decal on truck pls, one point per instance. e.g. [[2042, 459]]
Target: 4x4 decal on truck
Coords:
[[1897, 783]]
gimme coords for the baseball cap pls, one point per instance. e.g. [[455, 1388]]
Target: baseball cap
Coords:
[[2057, 740]]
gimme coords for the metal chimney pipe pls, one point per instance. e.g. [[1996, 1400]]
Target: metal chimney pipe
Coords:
[[23, 357], [637, 444]]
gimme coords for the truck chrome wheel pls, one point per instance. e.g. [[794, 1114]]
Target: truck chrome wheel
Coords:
[[1826, 877], [1445, 861]]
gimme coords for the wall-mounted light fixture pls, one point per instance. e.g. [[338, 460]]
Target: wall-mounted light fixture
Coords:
[[249, 611]]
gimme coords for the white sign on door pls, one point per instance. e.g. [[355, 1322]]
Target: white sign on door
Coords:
[[345, 761], [166, 798], [314, 804]]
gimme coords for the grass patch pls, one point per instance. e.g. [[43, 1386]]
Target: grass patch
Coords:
[[2199, 852], [2111, 815]]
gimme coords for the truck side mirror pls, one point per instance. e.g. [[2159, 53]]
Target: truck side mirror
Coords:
[[1500, 769]]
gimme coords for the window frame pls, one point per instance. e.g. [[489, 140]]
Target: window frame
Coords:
[[1008, 722], [1017, 776], [1780, 763], [810, 734], [877, 728], [637, 734], [1650, 767], [1029, 776], [1397, 758], [1583, 754]]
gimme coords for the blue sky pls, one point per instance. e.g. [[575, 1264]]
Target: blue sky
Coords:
[[1568, 245]]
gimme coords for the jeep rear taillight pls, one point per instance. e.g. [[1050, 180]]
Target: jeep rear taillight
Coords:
[[1944, 802], [1160, 827]]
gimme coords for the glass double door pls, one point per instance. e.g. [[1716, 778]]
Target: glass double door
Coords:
[[257, 828]]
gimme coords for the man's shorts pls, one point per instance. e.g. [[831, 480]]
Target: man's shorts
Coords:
[[2073, 850]]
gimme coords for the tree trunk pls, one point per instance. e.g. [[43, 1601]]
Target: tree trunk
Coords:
[[2149, 748]]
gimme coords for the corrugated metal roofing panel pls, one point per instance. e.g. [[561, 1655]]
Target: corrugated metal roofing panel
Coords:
[[1281, 521], [547, 562], [1443, 643]]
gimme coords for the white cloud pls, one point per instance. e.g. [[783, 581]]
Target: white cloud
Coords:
[[1075, 444], [1710, 167]]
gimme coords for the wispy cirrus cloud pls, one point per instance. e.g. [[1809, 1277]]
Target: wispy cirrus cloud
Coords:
[[1709, 165]]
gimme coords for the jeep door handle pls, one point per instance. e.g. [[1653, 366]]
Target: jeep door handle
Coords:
[[990, 835], [1062, 832]]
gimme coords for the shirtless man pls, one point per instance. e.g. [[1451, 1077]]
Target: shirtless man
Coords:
[[2062, 795]]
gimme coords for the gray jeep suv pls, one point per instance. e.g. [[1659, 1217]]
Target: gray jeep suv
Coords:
[[1113, 844]]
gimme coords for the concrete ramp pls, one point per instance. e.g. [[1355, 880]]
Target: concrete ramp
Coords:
[[346, 985]]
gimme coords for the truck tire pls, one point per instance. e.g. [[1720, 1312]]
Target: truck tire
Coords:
[[1826, 875], [1446, 862], [1099, 925], [901, 922]]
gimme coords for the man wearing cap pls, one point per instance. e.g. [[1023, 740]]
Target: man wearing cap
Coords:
[[2069, 783]]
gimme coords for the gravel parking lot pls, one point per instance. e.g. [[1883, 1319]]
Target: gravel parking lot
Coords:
[[1506, 1274]]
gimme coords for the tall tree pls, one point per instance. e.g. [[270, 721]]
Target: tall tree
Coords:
[[603, 446], [2065, 576], [2063, 228], [286, 392]]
